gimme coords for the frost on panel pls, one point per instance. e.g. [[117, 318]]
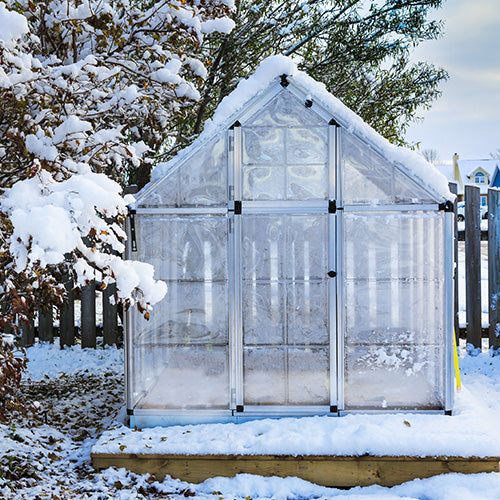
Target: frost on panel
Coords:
[[307, 182], [285, 110], [191, 377], [264, 183], [305, 253], [307, 319], [264, 372], [308, 376], [367, 177], [394, 377], [192, 248], [263, 146], [203, 177], [263, 313], [164, 194], [263, 245]]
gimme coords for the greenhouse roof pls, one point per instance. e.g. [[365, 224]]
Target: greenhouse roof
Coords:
[[269, 73]]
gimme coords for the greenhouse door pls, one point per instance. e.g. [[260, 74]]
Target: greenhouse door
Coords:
[[284, 310]]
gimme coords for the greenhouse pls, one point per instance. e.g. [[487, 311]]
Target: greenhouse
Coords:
[[308, 262]]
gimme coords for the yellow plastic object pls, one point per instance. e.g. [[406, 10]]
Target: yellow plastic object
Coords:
[[457, 368]]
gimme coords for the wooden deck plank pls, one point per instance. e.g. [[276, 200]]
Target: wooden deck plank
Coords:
[[334, 471]]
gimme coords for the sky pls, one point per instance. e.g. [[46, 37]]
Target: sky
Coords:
[[466, 118]]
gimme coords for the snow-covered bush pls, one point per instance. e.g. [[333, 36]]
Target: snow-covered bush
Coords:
[[90, 90]]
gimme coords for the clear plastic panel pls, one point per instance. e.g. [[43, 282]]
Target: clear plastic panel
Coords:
[[306, 146], [306, 250], [264, 183], [394, 310], [307, 183], [307, 319], [199, 181], [384, 245], [285, 110], [407, 191], [263, 146], [285, 312], [263, 245], [308, 376], [367, 177], [264, 373], [192, 377], [263, 313], [203, 178], [180, 356], [164, 194], [394, 377]]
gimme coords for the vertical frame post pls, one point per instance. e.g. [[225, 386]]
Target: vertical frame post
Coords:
[[448, 309], [339, 258], [332, 265], [237, 322], [127, 341], [456, 325]]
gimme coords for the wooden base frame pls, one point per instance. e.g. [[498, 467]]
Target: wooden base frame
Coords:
[[333, 471]]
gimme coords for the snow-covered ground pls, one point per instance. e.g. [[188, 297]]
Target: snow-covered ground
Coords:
[[49, 456]]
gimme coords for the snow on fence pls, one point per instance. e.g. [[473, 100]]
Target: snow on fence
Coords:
[[88, 323]]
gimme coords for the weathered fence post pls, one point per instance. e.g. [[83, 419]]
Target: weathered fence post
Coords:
[[494, 267], [45, 327], [473, 265], [88, 318], [67, 316], [456, 324], [27, 334], [109, 316]]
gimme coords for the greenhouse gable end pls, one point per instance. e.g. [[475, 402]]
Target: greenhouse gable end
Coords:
[[308, 263]]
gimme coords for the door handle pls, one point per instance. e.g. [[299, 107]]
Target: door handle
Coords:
[[332, 274]]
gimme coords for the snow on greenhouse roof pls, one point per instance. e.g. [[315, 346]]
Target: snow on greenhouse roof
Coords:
[[267, 74]]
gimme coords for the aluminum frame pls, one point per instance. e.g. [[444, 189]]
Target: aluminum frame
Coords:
[[448, 236]]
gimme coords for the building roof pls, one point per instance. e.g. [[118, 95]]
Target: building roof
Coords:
[[267, 76], [468, 168]]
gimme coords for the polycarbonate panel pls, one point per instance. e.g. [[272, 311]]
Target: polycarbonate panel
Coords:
[[394, 310], [199, 181], [307, 183], [407, 191], [263, 247], [306, 309], [306, 146], [385, 245], [264, 183], [203, 178], [285, 110], [190, 248], [263, 146], [181, 353], [308, 376], [191, 377], [367, 177], [264, 375], [285, 309], [164, 194], [263, 313], [306, 251], [394, 377]]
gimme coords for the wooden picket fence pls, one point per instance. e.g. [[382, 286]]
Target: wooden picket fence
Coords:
[[474, 330], [79, 325]]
